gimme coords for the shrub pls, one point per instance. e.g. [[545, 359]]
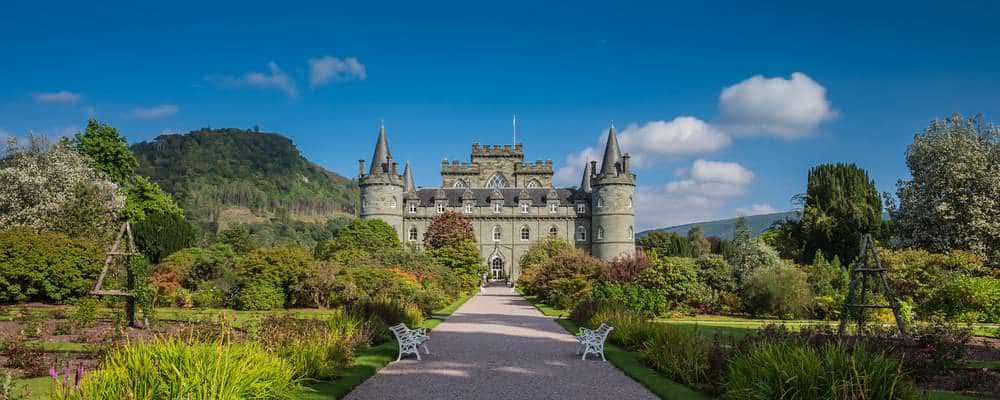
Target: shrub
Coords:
[[208, 296], [916, 274], [315, 348], [643, 301], [967, 299], [779, 290], [284, 267], [676, 278], [390, 312], [161, 234], [566, 262], [831, 371], [448, 229], [177, 369], [565, 292], [24, 356], [631, 329], [393, 285], [366, 235], [626, 268], [84, 315], [585, 309], [46, 267], [260, 296], [683, 355]]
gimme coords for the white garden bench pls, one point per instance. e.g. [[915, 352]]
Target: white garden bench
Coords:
[[592, 341], [409, 339]]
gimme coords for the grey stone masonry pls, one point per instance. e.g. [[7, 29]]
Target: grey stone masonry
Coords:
[[511, 203]]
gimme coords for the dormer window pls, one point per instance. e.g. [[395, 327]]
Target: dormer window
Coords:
[[524, 208], [497, 207], [440, 208], [581, 208], [468, 208], [412, 207], [554, 208]]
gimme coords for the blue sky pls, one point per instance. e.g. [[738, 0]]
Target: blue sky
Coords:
[[725, 106]]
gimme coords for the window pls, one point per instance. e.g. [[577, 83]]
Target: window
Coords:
[[581, 234], [554, 208], [534, 184], [497, 182], [600, 233], [364, 203], [629, 233], [553, 231], [412, 207], [460, 184], [629, 202], [440, 208], [525, 233], [392, 203], [581, 208], [524, 208], [468, 208], [497, 233], [498, 207], [413, 235], [600, 202]]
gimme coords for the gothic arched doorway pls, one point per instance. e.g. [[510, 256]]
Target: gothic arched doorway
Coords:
[[496, 268]]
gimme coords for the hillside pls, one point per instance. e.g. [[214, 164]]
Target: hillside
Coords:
[[723, 228], [254, 175]]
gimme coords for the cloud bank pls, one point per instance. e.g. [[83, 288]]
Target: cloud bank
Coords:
[[274, 79], [160, 111], [60, 97], [785, 108]]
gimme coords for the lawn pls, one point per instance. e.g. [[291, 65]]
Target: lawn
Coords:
[[367, 361]]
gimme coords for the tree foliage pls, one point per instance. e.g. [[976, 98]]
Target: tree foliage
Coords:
[[666, 244], [699, 245], [107, 150], [448, 229], [953, 198], [841, 206], [160, 234], [45, 266], [367, 235]]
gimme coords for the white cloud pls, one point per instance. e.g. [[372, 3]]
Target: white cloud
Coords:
[[571, 172], [275, 78], [786, 108], [719, 171], [328, 69], [657, 140], [160, 111], [60, 97], [700, 195], [756, 209]]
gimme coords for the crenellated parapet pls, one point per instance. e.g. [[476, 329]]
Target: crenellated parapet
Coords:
[[460, 168], [538, 167], [498, 150]]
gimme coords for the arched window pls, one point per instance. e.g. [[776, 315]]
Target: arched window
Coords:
[[497, 233], [525, 233], [412, 207], [364, 203], [553, 231], [413, 234], [440, 208], [629, 203], [460, 184], [533, 184], [581, 234], [600, 202], [600, 233], [392, 203], [629, 233], [497, 182]]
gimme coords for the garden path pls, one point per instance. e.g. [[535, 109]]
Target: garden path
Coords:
[[498, 346]]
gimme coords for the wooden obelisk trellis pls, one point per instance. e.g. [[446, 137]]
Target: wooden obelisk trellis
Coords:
[[122, 251], [869, 277]]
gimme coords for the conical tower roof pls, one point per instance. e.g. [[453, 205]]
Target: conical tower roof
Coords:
[[585, 183], [612, 154], [408, 185], [382, 155]]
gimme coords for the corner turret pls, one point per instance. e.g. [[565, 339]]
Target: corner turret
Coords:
[[612, 192], [382, 188]]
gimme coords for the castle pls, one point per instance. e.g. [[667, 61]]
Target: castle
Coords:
[[511, 203]]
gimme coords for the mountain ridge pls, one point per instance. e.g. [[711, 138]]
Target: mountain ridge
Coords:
[[723, 228]]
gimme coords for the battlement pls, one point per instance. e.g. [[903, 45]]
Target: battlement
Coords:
[[498, 150], [459, 167], [538, 167]]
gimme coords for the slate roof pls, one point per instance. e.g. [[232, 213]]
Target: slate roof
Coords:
[[482, 196]]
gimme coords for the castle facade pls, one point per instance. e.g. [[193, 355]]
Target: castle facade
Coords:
[[511, 203]]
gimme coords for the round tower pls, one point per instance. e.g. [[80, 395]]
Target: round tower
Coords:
[[612, 210], [382, 187]]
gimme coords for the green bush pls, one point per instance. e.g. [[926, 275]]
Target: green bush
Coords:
[[967, 299], [285, 267], [779, 290], [176, 369], [161, 234], [46, 267], [316, 348], [566, 292], [683, 355], [644, 301], [208, 296], [556, 262], [916, 274], [631, 329], [677, 279], [84, 315], [790, 369], [260, 296]]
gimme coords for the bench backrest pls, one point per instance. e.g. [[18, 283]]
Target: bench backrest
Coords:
[[399, 330], [604, 330]]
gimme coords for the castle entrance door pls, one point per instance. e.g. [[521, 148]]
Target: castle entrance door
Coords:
[[496, 268]]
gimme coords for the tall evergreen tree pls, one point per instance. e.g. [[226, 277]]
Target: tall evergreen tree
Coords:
[[841, 206]]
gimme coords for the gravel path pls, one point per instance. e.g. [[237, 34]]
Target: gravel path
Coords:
[[498, 346]]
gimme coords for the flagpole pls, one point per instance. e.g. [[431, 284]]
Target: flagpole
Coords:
[[515, 129]]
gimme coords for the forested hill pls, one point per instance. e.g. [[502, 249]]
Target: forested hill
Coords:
[[723, 228], [215, 171]]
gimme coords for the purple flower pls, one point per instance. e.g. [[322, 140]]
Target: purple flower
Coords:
[[53, 373]]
